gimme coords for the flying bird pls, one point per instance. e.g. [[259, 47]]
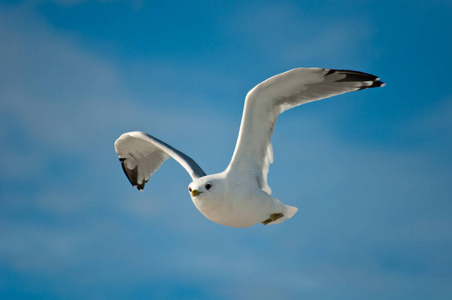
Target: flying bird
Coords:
[[240, 195]]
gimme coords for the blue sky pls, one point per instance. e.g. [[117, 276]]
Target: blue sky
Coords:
[[369, 171]]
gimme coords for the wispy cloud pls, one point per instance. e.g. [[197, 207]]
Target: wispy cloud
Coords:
[[371, 216], [293, 36]]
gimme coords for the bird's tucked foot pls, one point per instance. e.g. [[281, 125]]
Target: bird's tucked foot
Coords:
[[273, 217]]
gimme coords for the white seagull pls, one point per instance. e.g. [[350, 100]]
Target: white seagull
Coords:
[[240, 196]]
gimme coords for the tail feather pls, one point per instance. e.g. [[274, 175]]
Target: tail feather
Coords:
[[289, 212]]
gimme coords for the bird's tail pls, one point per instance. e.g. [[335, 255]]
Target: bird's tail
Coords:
[[289, 212]]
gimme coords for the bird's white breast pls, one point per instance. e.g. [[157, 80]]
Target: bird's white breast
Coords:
[[237, 205]]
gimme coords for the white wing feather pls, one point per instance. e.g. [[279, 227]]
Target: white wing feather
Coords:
[[141, 155], [253, 152]]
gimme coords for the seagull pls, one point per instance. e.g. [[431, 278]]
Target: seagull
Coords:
[[240, 195]]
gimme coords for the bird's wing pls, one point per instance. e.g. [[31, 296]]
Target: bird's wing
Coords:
[[253, 153], [141, 155]]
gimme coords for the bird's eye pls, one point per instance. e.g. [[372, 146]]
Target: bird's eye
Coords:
[[208, 186], [189, 189]]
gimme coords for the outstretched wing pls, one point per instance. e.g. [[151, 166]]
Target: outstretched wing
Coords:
[[253, 153], [141, 155]]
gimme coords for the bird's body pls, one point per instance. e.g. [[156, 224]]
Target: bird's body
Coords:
[[235, 202], [240, 195]]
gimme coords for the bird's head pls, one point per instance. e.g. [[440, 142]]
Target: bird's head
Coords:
[[205, 187]]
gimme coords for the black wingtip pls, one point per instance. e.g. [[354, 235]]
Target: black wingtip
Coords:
[[374, 84], [356, 76], [132, 175], [140, 186]]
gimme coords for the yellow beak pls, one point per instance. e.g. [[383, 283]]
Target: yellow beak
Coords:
[[195, 193]]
